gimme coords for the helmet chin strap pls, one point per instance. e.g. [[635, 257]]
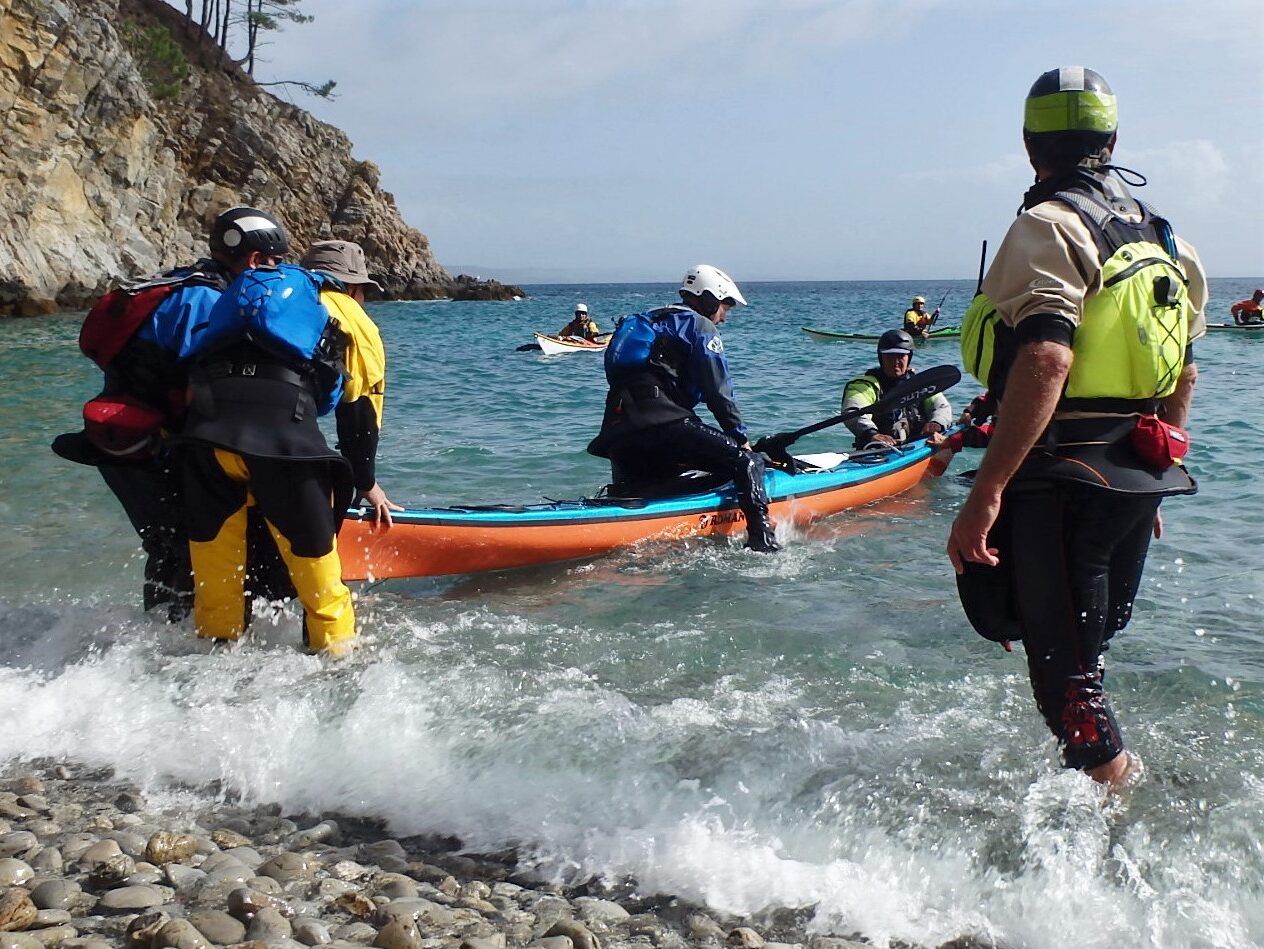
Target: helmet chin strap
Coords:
[[1127, 175]]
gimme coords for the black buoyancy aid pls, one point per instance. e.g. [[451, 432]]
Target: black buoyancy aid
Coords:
[[644, 370], [268, 364]]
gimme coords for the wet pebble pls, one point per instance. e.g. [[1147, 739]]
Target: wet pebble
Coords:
[[28, 784], [127, 899], [180, 934], [218, 926], [57, 894], [287, 867], [18, 843], [396, 886], [227, 839], [17, 912], [311, 932], [399, 934], [48, 860], [183, 879], [165, 847], [14, 872], [743, 937]]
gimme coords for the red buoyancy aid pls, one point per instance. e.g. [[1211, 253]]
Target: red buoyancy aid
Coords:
[[116, 317]]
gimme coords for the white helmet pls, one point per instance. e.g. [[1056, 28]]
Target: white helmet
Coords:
[[707, 279], [581, 307]]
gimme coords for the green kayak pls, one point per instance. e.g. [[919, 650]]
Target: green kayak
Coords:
[[946, 332]]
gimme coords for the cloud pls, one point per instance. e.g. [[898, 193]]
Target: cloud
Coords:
[[1198, 168], [445, 59]]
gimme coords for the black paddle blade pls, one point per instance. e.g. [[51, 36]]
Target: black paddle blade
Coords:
[[913, 389]]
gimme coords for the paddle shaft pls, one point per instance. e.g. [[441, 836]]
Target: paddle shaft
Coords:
[[978, 287], [920, 386], [934, 317]]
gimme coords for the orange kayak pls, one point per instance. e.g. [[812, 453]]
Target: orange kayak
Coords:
[[432, 542]]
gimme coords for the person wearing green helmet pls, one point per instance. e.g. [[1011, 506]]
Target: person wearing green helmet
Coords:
[[1093, 369]]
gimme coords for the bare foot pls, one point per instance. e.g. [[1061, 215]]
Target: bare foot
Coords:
[[1121, 771]]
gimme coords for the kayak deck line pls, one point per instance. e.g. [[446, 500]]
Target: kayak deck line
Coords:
[[946, 332], [477, 538]]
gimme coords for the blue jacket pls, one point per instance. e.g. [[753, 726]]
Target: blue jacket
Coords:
[[660, 365]]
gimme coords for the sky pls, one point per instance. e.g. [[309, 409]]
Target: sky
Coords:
[[625, 140]]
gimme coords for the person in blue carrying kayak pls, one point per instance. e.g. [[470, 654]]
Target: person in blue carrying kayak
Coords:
[[266, 362], [1086, 347], [895, 360], [659, 366], [138, 334]]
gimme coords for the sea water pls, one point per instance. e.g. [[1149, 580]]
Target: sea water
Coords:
[[818, 727]]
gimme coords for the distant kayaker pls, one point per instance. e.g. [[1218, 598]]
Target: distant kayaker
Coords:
[[660, 365], [581, 326], [895, 358], [917, 322], [1246, 312], [1088, 354], [359, 413], [266, 362]]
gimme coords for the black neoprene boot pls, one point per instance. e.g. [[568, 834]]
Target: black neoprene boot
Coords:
[[760, 535]]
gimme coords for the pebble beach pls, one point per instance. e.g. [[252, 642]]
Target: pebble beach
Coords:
[[87, 863]]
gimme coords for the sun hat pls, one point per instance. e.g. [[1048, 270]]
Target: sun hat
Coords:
[[341, 259]]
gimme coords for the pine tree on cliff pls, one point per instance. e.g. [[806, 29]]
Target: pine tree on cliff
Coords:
[[219, 17]]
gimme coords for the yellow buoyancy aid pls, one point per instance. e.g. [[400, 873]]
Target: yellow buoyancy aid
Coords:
[[1130, 344]]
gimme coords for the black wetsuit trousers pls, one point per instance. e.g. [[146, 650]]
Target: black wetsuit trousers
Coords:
[[149, 494], [665, 450], [1076, 557]]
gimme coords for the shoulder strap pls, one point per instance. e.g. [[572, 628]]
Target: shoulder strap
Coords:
[[1104, 213]]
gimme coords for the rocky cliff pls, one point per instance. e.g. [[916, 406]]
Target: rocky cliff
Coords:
[[124, 133]]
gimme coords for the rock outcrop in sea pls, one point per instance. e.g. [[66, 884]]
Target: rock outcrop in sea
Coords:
[[125, 133]]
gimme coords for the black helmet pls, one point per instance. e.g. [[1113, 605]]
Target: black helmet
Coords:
[[1071, 99], [895, 341], [238, 231]]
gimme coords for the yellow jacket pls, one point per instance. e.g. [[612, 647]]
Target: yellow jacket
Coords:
[[365, 357]]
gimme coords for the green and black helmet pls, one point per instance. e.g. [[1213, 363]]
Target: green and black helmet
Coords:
[[1070, 99]]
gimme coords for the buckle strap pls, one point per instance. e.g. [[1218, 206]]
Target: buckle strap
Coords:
[[1110, 406], [248, 370]]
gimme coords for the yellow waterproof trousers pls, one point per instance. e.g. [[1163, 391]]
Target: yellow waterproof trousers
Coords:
[[295, 499]]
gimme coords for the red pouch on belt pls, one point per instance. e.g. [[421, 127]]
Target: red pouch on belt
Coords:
[[122, 427], [1159, 444]]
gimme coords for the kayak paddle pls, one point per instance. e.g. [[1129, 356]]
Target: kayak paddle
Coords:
[[921, 385]]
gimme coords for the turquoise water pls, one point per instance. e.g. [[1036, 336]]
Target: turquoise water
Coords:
[[819, 727]]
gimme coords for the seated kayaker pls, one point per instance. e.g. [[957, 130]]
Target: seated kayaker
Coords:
[[895, 356], [582, 326], [975, 426], [917, 322], [659, 366], [1246, 312]]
